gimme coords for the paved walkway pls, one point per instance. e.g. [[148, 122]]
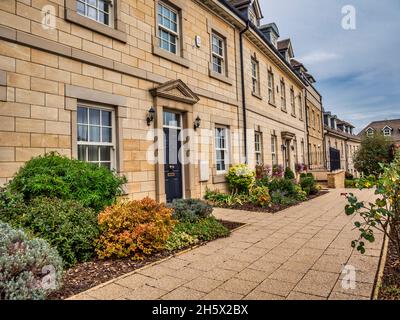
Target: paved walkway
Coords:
[[295, 254]]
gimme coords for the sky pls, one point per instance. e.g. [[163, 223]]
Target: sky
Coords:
[[357, 71]]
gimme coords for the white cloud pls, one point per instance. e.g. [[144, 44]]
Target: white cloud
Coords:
[[357, 71], [318, 57]]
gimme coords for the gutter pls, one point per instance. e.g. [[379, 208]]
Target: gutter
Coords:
[[244, 106], [323, 135], [250, 25]]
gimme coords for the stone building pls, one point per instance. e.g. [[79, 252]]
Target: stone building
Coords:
[[341, 144], [388, 128], [150, 88], [314, 122]]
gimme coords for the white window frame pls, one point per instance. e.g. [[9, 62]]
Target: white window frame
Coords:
[[283, 95], [217, 55], [258, 147], [271, 87], [111, 144], [225, 150], [293, 101], [255, 75], [274, 154], [300, 107], [110, 13], [161, 27], [370, 132], [387, 132]]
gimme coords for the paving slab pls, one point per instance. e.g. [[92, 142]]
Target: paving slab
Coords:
[[296, 254]]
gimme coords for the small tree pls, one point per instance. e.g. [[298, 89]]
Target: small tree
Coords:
[[382, 215], [374, 150]]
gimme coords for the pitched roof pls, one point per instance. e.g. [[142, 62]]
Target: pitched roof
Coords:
[[381, 124], [343, 134], [341, 122], [283, 44]]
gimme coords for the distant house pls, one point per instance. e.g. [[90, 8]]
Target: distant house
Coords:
[[389, 128], [340, 143]]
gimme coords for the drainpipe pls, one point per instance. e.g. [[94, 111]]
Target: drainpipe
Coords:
[[244, 90], [308, 131], [323, 136]]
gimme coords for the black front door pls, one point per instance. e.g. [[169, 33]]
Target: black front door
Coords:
[[334, 156], [172, 166]]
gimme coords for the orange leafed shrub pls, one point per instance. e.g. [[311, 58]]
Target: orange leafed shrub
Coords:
[[134, 229]]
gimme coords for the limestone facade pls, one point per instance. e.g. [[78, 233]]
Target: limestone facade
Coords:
[[84, 88]]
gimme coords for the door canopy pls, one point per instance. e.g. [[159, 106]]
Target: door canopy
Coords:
[[175, 90]]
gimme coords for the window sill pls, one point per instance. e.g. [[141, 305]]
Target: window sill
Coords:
[[284, 110], [170, 56], [254, 94], [72, 16], [272, 104], [220, 77], [294, 116], [219, 178]]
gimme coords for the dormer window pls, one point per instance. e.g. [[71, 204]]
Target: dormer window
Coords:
[[370, 132], [253, 17], [387, 132]]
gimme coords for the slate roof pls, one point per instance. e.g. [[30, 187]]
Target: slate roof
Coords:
[[380, 125]]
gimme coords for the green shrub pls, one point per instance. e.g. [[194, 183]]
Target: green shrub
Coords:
[[204, 230], [180, 239], [240, 178], [190, 210], [309, 185], [260, 196], [284, 185], [65, 224], [350, 183], [134, 229], [289, 174], [215, 196], [55, 176], [301, 195], [374, 151], [263, 182], [222, 199], [280, 198], [12, 206], [25, 264]]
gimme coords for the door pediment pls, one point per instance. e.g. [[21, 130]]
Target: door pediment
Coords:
[[175, 90]]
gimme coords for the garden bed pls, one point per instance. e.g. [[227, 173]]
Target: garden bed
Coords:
[[90, 274], [273, 208], [390, 286]]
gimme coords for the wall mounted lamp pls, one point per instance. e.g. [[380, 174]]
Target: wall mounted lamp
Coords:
[[150, 116], [197, 123]]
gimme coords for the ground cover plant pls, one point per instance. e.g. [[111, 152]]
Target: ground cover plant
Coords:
[[264, 189], [29, 267]]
